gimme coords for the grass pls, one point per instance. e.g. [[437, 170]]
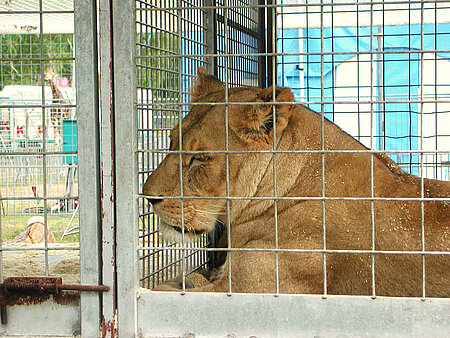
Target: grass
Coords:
[[11, 226], [24, 188], [15, 213]]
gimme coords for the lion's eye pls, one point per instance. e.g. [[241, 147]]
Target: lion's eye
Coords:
[[198, 159]]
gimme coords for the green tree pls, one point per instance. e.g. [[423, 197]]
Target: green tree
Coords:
[[21, 57], [158, 66]]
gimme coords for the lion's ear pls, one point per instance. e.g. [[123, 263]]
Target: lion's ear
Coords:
[[205, 84], [259, 119]]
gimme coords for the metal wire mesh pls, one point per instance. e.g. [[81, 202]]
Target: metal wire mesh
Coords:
[[162, 88], [38, 176], [373, 68], [238, 32]]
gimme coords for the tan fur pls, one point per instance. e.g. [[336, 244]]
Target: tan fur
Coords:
[[300, 222]]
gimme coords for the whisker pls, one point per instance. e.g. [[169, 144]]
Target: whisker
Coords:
[[210, 211]]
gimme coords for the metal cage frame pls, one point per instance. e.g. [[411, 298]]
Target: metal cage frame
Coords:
[[120, 143], [162, 313], [64, 319]]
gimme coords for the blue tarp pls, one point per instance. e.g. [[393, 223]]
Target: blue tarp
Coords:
[[401, 71]]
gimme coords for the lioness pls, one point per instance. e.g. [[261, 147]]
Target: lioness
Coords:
[[348, 222]]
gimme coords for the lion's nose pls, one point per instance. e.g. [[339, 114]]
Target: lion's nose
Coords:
[[152, 195], [154, 200]]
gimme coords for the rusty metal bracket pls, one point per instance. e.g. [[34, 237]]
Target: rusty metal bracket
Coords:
[[38, 286]]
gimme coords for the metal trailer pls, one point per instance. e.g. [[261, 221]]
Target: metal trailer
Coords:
[[135, 62], [245, 43], [42, 168]]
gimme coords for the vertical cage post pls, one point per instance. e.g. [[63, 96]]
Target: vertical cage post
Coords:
[[210, 36], [380, 88], [271, 45], [107, 169], [262, 59], [89, 161], [125, 125], [274, 155]]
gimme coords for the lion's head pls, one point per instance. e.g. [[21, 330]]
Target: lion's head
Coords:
[[203, 135]]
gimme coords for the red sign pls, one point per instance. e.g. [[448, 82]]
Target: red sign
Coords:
[[4, 125], [20, 130]]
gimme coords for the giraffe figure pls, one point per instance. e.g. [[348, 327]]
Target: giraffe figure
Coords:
[[57, 114]]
